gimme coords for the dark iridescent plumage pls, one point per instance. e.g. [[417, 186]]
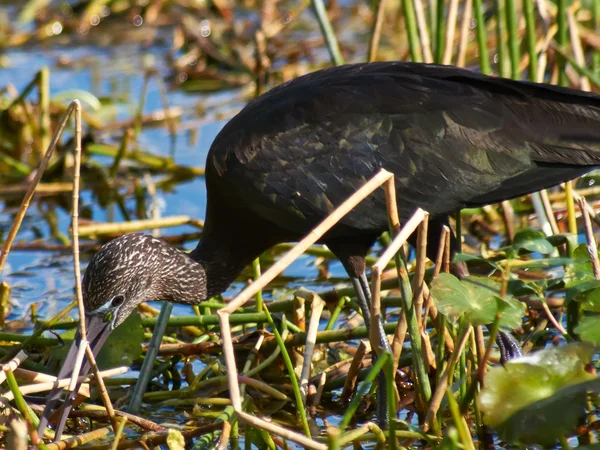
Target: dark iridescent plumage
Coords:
[[452, 137]]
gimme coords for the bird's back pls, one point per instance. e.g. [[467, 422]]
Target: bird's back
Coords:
[[452, 137]]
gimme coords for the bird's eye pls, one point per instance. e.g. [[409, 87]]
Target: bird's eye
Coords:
[[117, 301]]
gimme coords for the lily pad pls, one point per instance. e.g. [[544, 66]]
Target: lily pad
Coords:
[[521, 399], [477, 298], [123, 346]]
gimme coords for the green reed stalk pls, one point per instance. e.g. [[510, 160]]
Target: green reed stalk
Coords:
[[513, 38], [501, 47], [44, 90], [290, 369], [336, 312], [114, 168], [259, 295], [330, 39], [459, 422], [24, 408], [414, 43], [562, 38], [423, 386], [162, 321], [439, 30], [391, 398], [531, 38]]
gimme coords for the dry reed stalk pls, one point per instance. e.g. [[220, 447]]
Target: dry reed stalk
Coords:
[[578, 53], [320, 389], [377, 268], [423, 32], [549, 211], [77, 271], [419, 275], [450, 30], [398, 341], [280, 431], [12, 365], [98, 229], [49, 385], [376, 34], [464, 33], [79, 440]]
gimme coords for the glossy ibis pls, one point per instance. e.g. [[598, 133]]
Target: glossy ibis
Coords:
[[453, 139]]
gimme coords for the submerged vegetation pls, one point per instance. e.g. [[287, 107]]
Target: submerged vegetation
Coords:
[[300, 345]]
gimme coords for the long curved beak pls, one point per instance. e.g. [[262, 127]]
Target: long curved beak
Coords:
[[97, 332]]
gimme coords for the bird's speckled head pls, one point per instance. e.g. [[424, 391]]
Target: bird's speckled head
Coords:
[[137, 267]]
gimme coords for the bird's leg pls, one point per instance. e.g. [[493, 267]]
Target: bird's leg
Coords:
[[351, 254], [363, 295]]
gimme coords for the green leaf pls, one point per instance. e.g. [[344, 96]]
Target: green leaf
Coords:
[[475, 297], [580, 269], [123, 346], [521, 399], [590, 299], [464, 257], [589, 329], [533, 241]]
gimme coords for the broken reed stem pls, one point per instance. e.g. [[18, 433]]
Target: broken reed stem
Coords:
[[419, 276], [32, 186], [591, 246], [352, 376], [317, 306], [12, 365]]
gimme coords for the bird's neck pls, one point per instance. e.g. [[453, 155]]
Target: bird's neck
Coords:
[[222, 264]]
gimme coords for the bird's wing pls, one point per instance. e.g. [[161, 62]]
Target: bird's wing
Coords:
[[452, 137]]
